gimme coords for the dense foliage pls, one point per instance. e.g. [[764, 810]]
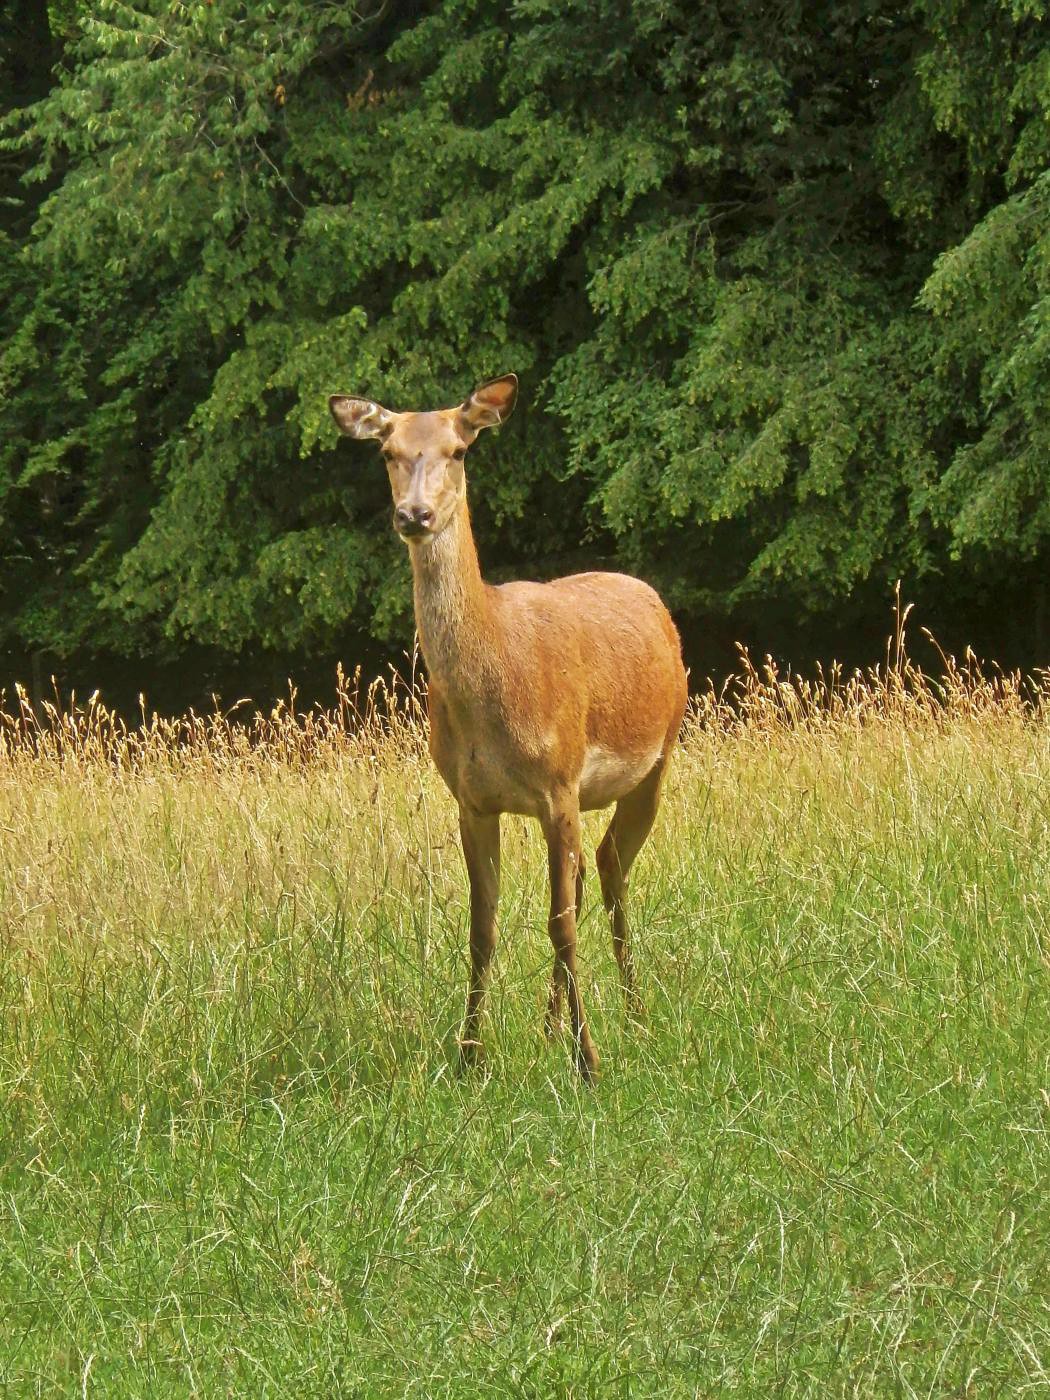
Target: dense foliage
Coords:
[[775, 280]]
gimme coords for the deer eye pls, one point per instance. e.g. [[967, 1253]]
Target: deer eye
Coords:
[[459, 454]]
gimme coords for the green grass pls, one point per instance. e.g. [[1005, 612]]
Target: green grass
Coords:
[[235, 1158]]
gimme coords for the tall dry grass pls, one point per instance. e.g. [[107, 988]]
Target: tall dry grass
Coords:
[[235, 1155]]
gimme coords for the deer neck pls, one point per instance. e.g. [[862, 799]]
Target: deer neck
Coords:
[[453, 608]]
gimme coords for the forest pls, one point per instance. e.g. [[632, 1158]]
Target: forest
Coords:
[[774, 280]]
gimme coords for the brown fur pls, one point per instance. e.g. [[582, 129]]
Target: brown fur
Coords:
[[545, 698]]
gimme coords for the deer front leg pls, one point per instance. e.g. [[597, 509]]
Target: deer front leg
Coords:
[[480, 837], [553, 1021], [562, 830]]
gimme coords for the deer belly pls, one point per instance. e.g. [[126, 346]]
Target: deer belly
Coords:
[[607, 775]]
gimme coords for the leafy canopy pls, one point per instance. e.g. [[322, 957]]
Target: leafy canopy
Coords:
[[775, 283]]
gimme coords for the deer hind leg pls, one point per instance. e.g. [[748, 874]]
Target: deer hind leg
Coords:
[[631, 824], [555, 1003], [480, 836], [562, 830]]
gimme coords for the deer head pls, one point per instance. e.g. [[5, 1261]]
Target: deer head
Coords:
[[424, 452]]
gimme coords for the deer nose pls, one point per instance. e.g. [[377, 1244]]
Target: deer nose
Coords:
[[413, 520]]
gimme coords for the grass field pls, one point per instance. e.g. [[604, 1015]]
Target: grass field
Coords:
[[236, 1159]]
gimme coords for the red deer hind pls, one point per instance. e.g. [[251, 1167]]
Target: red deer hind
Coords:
[[545, 698]]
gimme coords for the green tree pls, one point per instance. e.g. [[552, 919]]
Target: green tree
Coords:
[[987, 80], [774, 282]]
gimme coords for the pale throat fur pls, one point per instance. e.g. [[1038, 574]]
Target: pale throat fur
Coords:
[[452, 605]]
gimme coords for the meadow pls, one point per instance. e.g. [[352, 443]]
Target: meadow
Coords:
[[236, 1158]]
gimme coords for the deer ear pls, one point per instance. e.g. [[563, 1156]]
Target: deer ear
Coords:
[[360, 418], [491, 403]]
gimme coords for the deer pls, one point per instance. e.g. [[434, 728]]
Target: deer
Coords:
[[545, 699]]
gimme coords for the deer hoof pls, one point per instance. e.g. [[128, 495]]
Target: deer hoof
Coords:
[[635, 1011], [469, 1055], [587, 1064]]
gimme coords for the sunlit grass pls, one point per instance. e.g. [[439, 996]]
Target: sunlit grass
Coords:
[[236, 1158]]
